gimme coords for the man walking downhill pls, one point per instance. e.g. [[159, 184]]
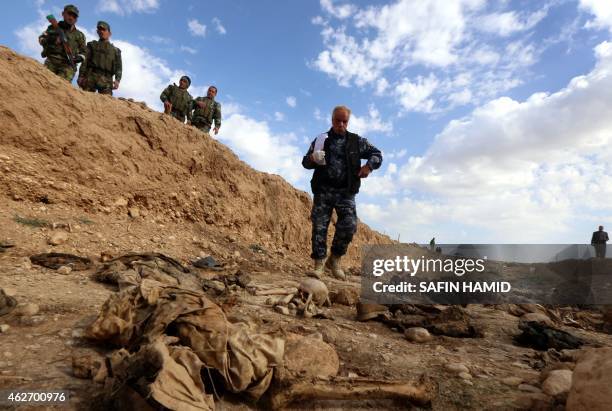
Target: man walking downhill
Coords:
[[335, 156]]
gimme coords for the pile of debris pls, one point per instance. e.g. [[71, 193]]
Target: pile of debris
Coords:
[[177, 349]]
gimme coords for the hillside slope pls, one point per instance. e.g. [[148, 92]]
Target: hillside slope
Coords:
[[94, 153]]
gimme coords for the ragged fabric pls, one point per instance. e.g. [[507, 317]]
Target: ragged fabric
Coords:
[[139, 315], [130, 269], [170, 375]]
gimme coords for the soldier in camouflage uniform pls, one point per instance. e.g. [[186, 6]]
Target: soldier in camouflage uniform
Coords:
[[177, 100], [207, 110], [102, 62], [336, 157], [53, 50]]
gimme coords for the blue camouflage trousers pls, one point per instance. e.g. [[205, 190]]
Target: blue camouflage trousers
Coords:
[[323, 205]]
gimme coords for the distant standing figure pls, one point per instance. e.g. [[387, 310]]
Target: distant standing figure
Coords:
[[206, 111], [102, 62], [598, 240], [177, 100], [432, 244]]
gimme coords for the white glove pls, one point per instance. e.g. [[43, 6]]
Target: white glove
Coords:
[[319, 157]]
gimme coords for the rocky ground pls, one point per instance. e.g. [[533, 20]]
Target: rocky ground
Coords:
[[133, 180], [40, 337]]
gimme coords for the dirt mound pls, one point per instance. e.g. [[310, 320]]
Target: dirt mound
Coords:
[[107, 156]]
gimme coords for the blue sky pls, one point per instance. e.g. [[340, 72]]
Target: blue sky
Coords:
[[494, 116]]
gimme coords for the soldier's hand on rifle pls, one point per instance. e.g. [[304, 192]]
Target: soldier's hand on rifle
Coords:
[[364, 171], [167, 106], [115, 84], [216, 130]]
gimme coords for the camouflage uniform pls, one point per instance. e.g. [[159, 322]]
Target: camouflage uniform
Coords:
[[181, 102], [102, 62], [334, 186], [203, 117], [54, 51]]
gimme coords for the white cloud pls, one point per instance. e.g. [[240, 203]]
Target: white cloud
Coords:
[[517, 171], [381, 85], [372, 123], [156, 39], [510, 22], [123, 7], [196, 28], [189, 50], [416, 95], [376, 46], [342, 11], [144, 74], [27, 39], [263, 149], [278, 116], [218, 26], [602, 10], [291, 101]]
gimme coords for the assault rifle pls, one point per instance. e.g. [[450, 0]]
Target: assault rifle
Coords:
[[63, 40]]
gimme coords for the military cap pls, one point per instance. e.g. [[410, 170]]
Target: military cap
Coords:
[[71, 8], [187, 79], [103, 24]]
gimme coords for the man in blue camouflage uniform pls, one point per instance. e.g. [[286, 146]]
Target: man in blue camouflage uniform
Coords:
[[335, 157]]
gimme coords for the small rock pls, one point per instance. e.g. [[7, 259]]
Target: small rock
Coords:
[[10, 292], [512, 381], [417, 334], [591, 388], [537, 317], [237, 254], [465, 375], [4, 328], [281, 309], [64, 270], [352, 374], [330, 333], [457, 367], [58, 238], [121, 202], [533, 401], [134, 212], [291, 306], [316, 335], [27, 310], [558, 382], [528, 388], [345, 296]]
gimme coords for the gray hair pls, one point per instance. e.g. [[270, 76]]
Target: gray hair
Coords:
[[341, 108]]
